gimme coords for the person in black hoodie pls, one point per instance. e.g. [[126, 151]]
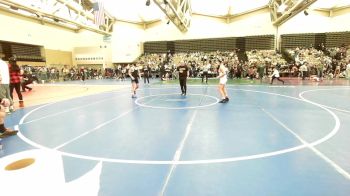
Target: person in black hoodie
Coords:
[[183, 74], [27, 79]]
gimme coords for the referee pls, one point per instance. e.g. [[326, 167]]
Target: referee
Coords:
[[183, 74]]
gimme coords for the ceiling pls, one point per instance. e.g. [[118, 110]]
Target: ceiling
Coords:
[[137, 11]]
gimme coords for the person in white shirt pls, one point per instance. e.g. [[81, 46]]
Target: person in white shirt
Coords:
[[276, 74], [206, 68], [5, 100], [348, 70], [303, 70], [222, 82], [4, 71]]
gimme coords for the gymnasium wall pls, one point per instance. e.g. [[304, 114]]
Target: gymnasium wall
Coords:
[[58, 58], [93, 56], [258, 23], [128, 38], [211, 27], [201, 27], [315, 22], [20, 29], [341, 22], [126, 42]]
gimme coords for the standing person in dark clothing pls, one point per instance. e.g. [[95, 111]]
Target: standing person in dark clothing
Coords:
[[27, 79], [206, 68], [15, 80], [261, 70], [123, 76], [82, 74], [168, 57], [183, 74], [134, 75], [162, 71], [146, 70]]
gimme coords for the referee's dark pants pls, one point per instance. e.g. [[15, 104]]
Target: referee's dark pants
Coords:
[[278, 78], [183, 84], [304, 74], [146, 77], [205, 74]]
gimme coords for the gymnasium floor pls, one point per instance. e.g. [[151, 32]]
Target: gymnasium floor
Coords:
[[94, 139]]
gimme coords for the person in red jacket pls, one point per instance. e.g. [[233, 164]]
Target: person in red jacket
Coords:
[[15, 79]]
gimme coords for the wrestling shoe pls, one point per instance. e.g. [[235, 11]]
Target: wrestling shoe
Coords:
[[222, 101], [8, 132]]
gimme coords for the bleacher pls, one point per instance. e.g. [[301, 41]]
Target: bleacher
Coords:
[[261, 42], [315, 48], [23, 52]]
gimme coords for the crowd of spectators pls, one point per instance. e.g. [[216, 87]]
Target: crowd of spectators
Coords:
[[164, 65], [321, 62], [261, 63], [42, 74]]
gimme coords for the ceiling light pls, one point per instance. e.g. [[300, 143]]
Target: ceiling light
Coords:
[[282, 8]]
